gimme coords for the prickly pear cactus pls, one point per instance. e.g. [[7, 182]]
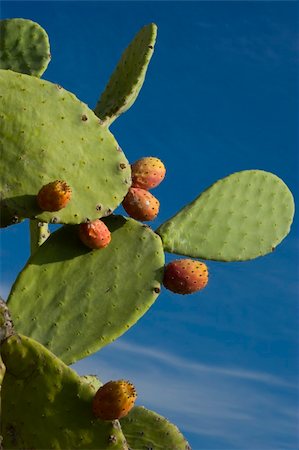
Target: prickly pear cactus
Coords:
[[128, 77], [24, 46], [240, 217], [116, 285], [56, 411], [146, 429], [70, 300], [76, 144]]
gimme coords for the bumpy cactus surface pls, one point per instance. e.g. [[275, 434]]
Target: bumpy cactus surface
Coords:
[[68, 143], [128, 77], [240, 217], [70, 300], [102, 293], [55, 411], [146, 429], [24, 47]]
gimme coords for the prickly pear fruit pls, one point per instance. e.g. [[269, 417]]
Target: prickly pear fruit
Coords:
[[114, 400], [94, 234], [185, 276], [54, 196], [147, 173], [141, 204]]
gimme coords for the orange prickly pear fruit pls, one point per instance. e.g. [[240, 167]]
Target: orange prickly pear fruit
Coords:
[[141, 204], [54, 196], [114, 400], [94, 234], [147, 173], [185, 276]]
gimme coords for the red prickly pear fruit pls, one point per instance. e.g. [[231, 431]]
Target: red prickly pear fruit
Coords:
[[147, 173], [114, 400], [185, 276], [141, 204], [94, 234], [54, 196]]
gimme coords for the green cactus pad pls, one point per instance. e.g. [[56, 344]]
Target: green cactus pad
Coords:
[[75, 300], [47, 134], [145, 429], [93, 382], [240, 217], [24, 47], [128, 77], [46, 405]]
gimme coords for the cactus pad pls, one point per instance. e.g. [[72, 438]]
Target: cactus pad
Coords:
[[86, 298], [146, 429], [240, 217], [46, 405], [93, 382], [128, 77], [66, 142], [24, 47]]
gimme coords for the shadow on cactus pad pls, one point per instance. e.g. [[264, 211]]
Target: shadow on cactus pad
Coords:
[[24, 46]]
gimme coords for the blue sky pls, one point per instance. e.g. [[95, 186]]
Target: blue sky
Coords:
[[221, 95]]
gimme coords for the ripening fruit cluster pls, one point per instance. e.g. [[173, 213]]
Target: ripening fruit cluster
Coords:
[[55, 196], [147, 173], [182, 276]]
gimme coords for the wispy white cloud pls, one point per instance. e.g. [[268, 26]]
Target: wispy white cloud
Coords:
[[244, 409], [187, 365]]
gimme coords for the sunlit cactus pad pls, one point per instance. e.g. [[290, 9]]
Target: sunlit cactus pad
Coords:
[[240, 217], [47, 134], [46, 405], [128, 77], [145, 429], [85, 298], [24, 47]]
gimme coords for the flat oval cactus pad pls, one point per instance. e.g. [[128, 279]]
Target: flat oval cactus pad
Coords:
[[47, 134], [75, 300], [240, 217], [128, 77], [144, 429], [24, 46], [46, 405]]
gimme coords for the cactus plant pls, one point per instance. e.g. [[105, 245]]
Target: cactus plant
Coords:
[[118, 285], [24, 47], [102, 292], [53, 398]]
